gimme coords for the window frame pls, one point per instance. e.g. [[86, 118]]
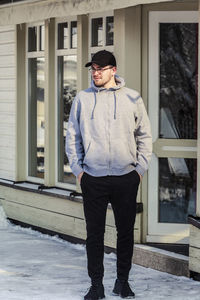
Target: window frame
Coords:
[[94, 49], [164, 148], [33, 54], [62, 52], [103, 15]]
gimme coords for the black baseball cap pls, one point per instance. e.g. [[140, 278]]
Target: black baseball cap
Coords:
[[102, 58]]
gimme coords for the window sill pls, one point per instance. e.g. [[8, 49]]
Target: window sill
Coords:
[[52, 191], [41, 189]]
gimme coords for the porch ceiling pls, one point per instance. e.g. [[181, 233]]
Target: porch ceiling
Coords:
[[31, 11]]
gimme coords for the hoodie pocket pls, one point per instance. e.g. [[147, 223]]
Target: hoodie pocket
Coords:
[[132, 148], [95, 155], [123, 152]]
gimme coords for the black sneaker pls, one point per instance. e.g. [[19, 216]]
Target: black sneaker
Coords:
[[123, 289], [95, 292]]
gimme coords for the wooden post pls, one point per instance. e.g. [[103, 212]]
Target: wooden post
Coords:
[[50, 141]]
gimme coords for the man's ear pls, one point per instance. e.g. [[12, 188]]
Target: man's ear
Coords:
[[114, 69]]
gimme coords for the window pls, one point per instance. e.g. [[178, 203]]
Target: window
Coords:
[[66, 53], [177, 189], [101, 32], [63, 35], [73, 35], [109, 31], [35, 86], [97, 32], [178, 80], [32, 39]]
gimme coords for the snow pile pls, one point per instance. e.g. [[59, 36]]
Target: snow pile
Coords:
[[35, 266], [4, 223]]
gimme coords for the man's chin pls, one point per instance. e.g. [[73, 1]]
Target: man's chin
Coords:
[[97, 83]]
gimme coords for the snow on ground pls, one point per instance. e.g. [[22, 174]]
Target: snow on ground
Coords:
[[39, 267]]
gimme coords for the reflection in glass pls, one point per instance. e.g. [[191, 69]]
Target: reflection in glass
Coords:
[[74, 34], [36, 117], [67, 81], [109, 31], [177, 189], [63, 36], [42, 38], [178, 80], [97, 32], [32, 39]]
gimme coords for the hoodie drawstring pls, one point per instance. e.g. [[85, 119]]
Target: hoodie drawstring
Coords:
[[115, 105], [95, 103]]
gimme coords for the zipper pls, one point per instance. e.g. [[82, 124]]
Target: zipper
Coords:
[[109, 143]]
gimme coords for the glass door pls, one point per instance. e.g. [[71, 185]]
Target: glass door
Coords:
[[173, 53]]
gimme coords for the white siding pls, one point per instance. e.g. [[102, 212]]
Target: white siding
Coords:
[[7, 102]]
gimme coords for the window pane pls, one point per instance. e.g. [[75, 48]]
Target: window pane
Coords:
[[63, 36], [74, 34], [178, 80], [109, 31], [67, 81], [32, 39], [97, 32], [177, 189], [42, 38], [36, 117]]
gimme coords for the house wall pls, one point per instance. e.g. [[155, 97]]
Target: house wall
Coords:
[[7, 102], [34, 208], [130, 33]]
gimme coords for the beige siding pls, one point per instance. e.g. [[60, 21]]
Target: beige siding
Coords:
[[56, 214], [194, 250], [7, 102]]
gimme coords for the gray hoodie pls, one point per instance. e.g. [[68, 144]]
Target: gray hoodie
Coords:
[[108, 132]]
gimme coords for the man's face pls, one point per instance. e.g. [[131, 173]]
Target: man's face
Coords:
[[102, 75]]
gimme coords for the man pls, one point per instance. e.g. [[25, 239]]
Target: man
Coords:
[[109, 146]]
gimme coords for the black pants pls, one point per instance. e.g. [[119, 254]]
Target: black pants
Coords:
[[121, 192]]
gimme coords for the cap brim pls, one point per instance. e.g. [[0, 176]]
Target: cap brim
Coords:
[[88, 64], [95, 62]]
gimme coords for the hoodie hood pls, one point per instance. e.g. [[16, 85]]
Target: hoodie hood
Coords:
[[119, 80], [120, 83]]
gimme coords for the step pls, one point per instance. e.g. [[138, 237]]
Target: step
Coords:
[[161, 260]]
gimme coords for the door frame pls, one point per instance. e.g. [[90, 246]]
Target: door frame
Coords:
[[163, 232]]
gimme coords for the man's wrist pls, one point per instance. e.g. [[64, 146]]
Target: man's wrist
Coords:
[[80, 176]]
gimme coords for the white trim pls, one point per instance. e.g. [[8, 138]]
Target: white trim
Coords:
[[161, 232], [61, 52], [66, 185], [173, 17], [170, 239], [33, 54], [35, 179], [179, 148], [65, 52]]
